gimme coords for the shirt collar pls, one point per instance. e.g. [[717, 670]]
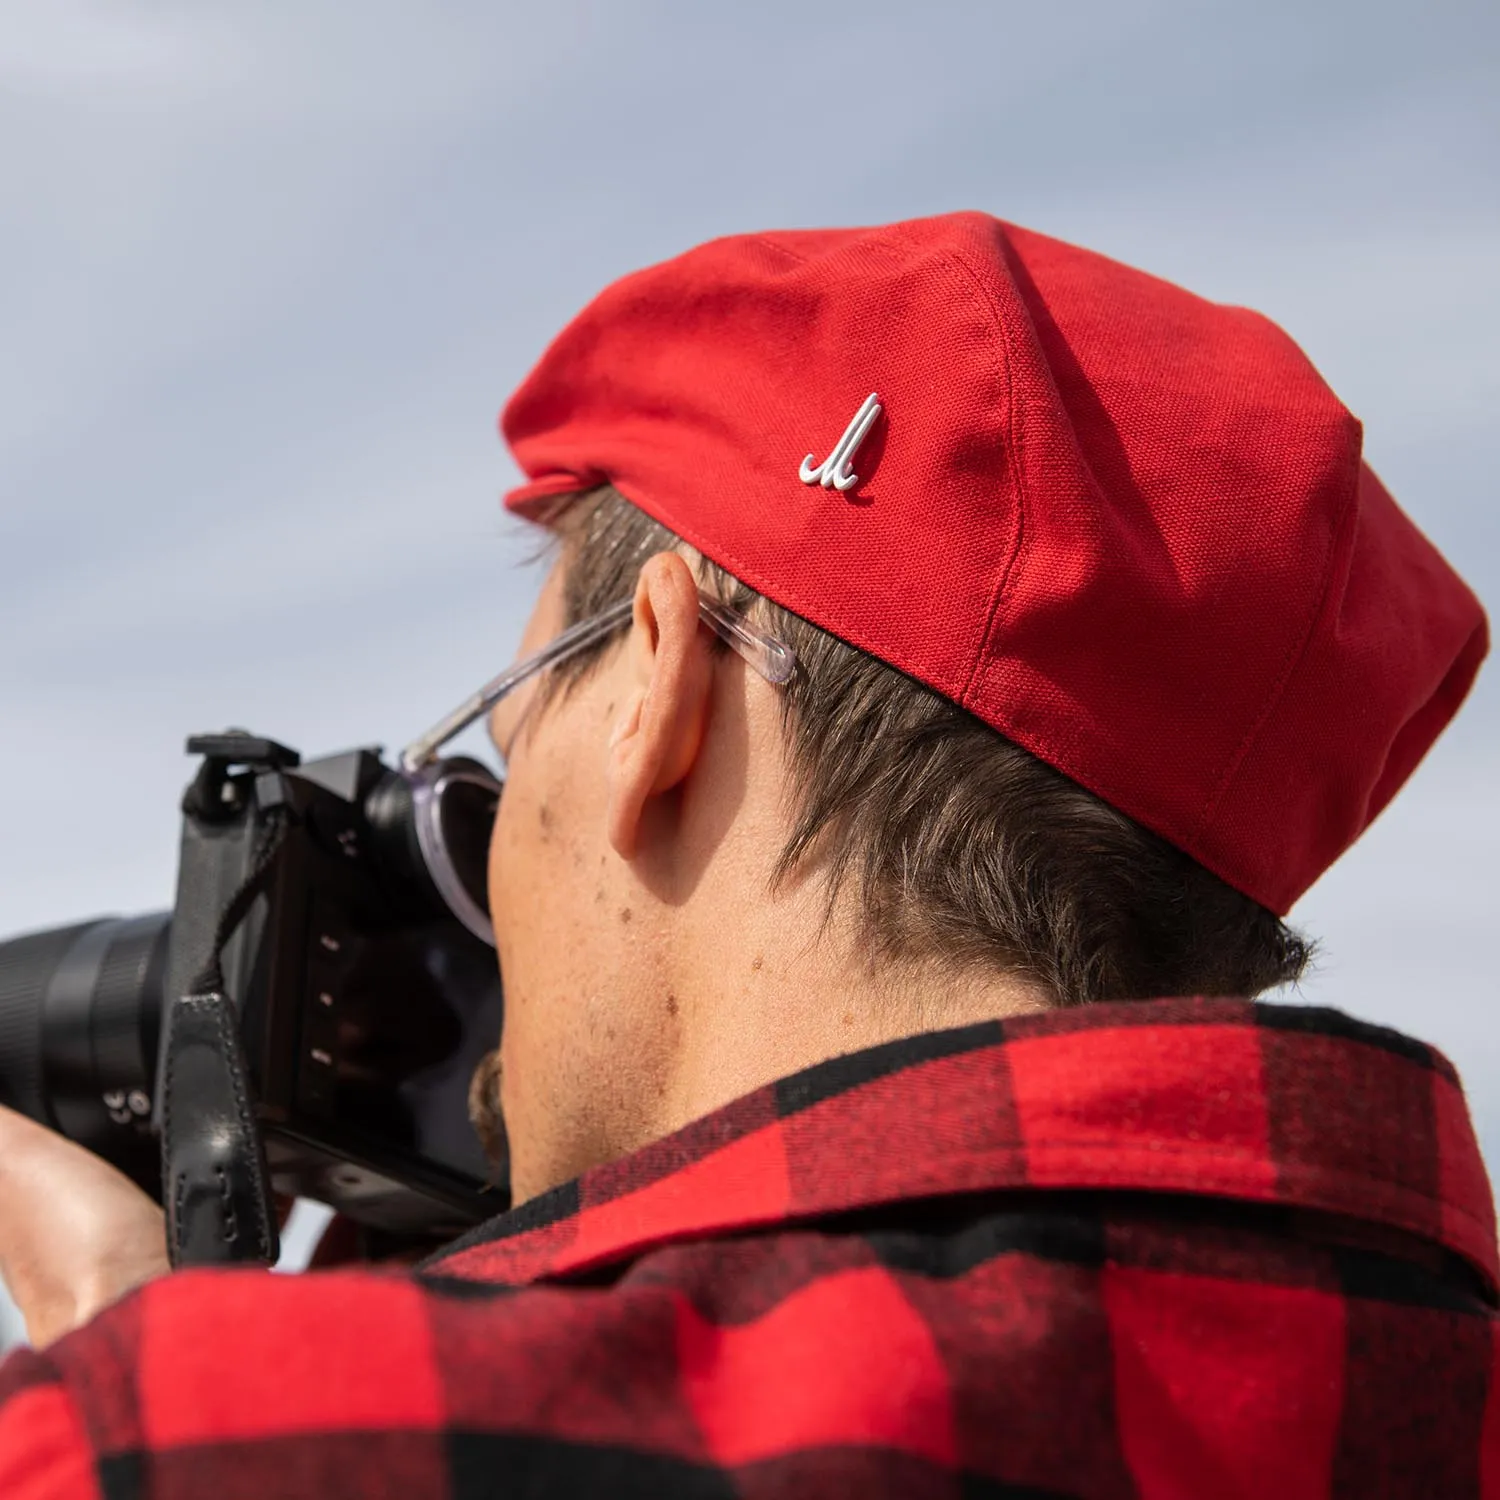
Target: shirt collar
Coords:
[[1286, 1105]]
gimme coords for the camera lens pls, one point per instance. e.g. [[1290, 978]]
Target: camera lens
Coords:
[[27, 964], [80, 1015]]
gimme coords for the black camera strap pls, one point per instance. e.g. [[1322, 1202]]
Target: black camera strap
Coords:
[[215, 1182]]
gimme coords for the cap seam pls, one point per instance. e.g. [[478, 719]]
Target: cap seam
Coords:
[[1014, 441], [1041, 744], [771, 244], [1294, 658], [716, 552]]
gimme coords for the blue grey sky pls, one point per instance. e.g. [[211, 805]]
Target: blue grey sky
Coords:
[[268, 271]]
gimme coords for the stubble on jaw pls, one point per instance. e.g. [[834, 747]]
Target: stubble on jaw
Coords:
[[484, 1108]]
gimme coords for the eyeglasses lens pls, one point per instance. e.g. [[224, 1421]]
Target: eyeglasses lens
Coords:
[[466, 816]]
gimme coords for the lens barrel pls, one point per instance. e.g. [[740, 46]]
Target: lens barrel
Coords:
[[80, 1015], [27, 964]]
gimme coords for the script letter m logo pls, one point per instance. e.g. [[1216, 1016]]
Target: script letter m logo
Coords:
[[836, 471]]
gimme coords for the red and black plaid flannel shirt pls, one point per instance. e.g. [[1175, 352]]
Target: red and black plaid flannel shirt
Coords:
[[1185, 1249]]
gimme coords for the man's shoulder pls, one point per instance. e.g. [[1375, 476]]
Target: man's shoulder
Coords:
[[1074, 1343], [1071, 1255]]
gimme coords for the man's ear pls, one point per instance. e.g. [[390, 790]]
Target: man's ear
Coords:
[[660, 725]]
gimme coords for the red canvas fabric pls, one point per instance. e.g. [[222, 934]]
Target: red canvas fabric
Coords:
[[1129, 528], [1164, 1251]]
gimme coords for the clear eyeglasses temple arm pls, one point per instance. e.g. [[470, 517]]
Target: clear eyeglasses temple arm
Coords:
[[765, 654], [579, 638], [773, 660]]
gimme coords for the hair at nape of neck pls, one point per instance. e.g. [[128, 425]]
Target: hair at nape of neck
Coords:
[[966, 851]]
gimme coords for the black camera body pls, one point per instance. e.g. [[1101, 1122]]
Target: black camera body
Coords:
[[364, 1005]]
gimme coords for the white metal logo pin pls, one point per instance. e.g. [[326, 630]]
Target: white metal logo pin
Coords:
[[835, 472]]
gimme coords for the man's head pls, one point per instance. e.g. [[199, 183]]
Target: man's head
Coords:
[[701, 881]]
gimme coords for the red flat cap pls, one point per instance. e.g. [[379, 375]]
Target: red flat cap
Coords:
[[1129, 528]]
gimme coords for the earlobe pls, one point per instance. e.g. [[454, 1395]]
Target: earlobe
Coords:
[[655, 741]]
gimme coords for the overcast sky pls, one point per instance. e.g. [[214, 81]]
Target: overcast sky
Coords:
[[267, 272]]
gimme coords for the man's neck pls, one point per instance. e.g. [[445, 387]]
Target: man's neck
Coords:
[[798, 993]]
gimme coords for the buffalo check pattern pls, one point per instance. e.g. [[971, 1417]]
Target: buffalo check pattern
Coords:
[[1174, 1250]]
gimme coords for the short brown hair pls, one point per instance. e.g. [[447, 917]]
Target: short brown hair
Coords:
[[968, 851]]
